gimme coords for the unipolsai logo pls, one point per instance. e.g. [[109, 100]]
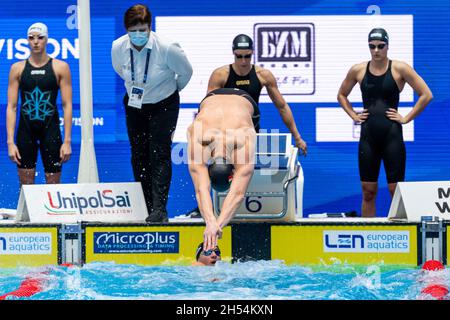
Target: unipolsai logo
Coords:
[[102, 201], [288, 51]]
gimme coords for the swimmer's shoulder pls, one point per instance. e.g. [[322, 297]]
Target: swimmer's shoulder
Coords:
[[357, 71], [17, 68], [359, 67], [222, 71], [265, 76], [400, 66], [60, 66], [218, 78]]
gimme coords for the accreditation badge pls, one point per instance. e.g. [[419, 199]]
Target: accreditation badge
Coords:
[[136, 97]]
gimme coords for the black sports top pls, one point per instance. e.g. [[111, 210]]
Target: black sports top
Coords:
[[379, 93], [249, 83], [38, 92]]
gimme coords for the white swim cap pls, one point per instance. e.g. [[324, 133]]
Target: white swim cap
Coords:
[[39, 28]]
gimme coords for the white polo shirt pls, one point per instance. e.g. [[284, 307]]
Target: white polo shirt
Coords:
[[168, 69]]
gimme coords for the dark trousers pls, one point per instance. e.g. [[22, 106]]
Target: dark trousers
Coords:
[[150, 133]]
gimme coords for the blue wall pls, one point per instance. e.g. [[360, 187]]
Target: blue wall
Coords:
[[428, 157]]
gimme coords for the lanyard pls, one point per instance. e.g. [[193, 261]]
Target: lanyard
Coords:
[[146, 65]]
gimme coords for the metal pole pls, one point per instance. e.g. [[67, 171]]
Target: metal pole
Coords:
[[87, 169]]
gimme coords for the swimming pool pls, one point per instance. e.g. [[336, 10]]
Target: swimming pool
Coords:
[[255, 280]]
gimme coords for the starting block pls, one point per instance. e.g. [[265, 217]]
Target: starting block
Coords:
[[275, 192]]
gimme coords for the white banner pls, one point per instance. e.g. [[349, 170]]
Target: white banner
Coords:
[[72, 203], [334, 125], [185, 119], [309, 55], [413, 200]]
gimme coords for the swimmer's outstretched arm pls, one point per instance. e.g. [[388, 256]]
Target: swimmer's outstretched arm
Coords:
[[202, 184], [241, 179]]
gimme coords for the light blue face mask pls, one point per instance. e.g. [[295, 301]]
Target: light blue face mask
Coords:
[[138, 38]]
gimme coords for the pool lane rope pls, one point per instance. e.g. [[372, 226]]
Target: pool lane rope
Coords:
[[33, 283], [438, 290]]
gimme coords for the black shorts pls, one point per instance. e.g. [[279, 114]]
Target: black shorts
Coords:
[[388, 147], [256, 114], [46, 138]]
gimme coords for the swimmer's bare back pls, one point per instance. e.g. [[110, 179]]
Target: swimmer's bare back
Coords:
[[224, 112], [224, 124]]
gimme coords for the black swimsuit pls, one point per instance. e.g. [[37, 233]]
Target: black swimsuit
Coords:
[[250, 84], [38, 126], [381, 138]]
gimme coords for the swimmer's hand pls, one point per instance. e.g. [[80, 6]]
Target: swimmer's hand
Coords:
[[13, 153], [210, 236], [65, 152], [360, 117], [393, 115], [301, 145]]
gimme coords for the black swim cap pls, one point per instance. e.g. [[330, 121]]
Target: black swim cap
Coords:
[[199, 251], [221, 174], [242, 42], [378, 34]]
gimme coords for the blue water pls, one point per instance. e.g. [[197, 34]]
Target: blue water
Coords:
[[259, 280]]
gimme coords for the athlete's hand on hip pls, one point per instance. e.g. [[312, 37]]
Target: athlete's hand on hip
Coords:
[[13, 153], [65, 152], [361, 116], [393, 115], [301, 145]]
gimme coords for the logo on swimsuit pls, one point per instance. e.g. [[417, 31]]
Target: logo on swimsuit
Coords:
[[37, 105], [40, 72], [101, 203], [243, 82], [366, 241], [288, 51], [136, 242]]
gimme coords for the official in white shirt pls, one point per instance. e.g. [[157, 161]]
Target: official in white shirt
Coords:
[[154, 70]]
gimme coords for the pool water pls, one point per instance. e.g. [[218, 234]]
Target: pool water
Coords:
[[259, 280]]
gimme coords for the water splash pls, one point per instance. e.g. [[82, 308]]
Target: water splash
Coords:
[[259, 280]]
